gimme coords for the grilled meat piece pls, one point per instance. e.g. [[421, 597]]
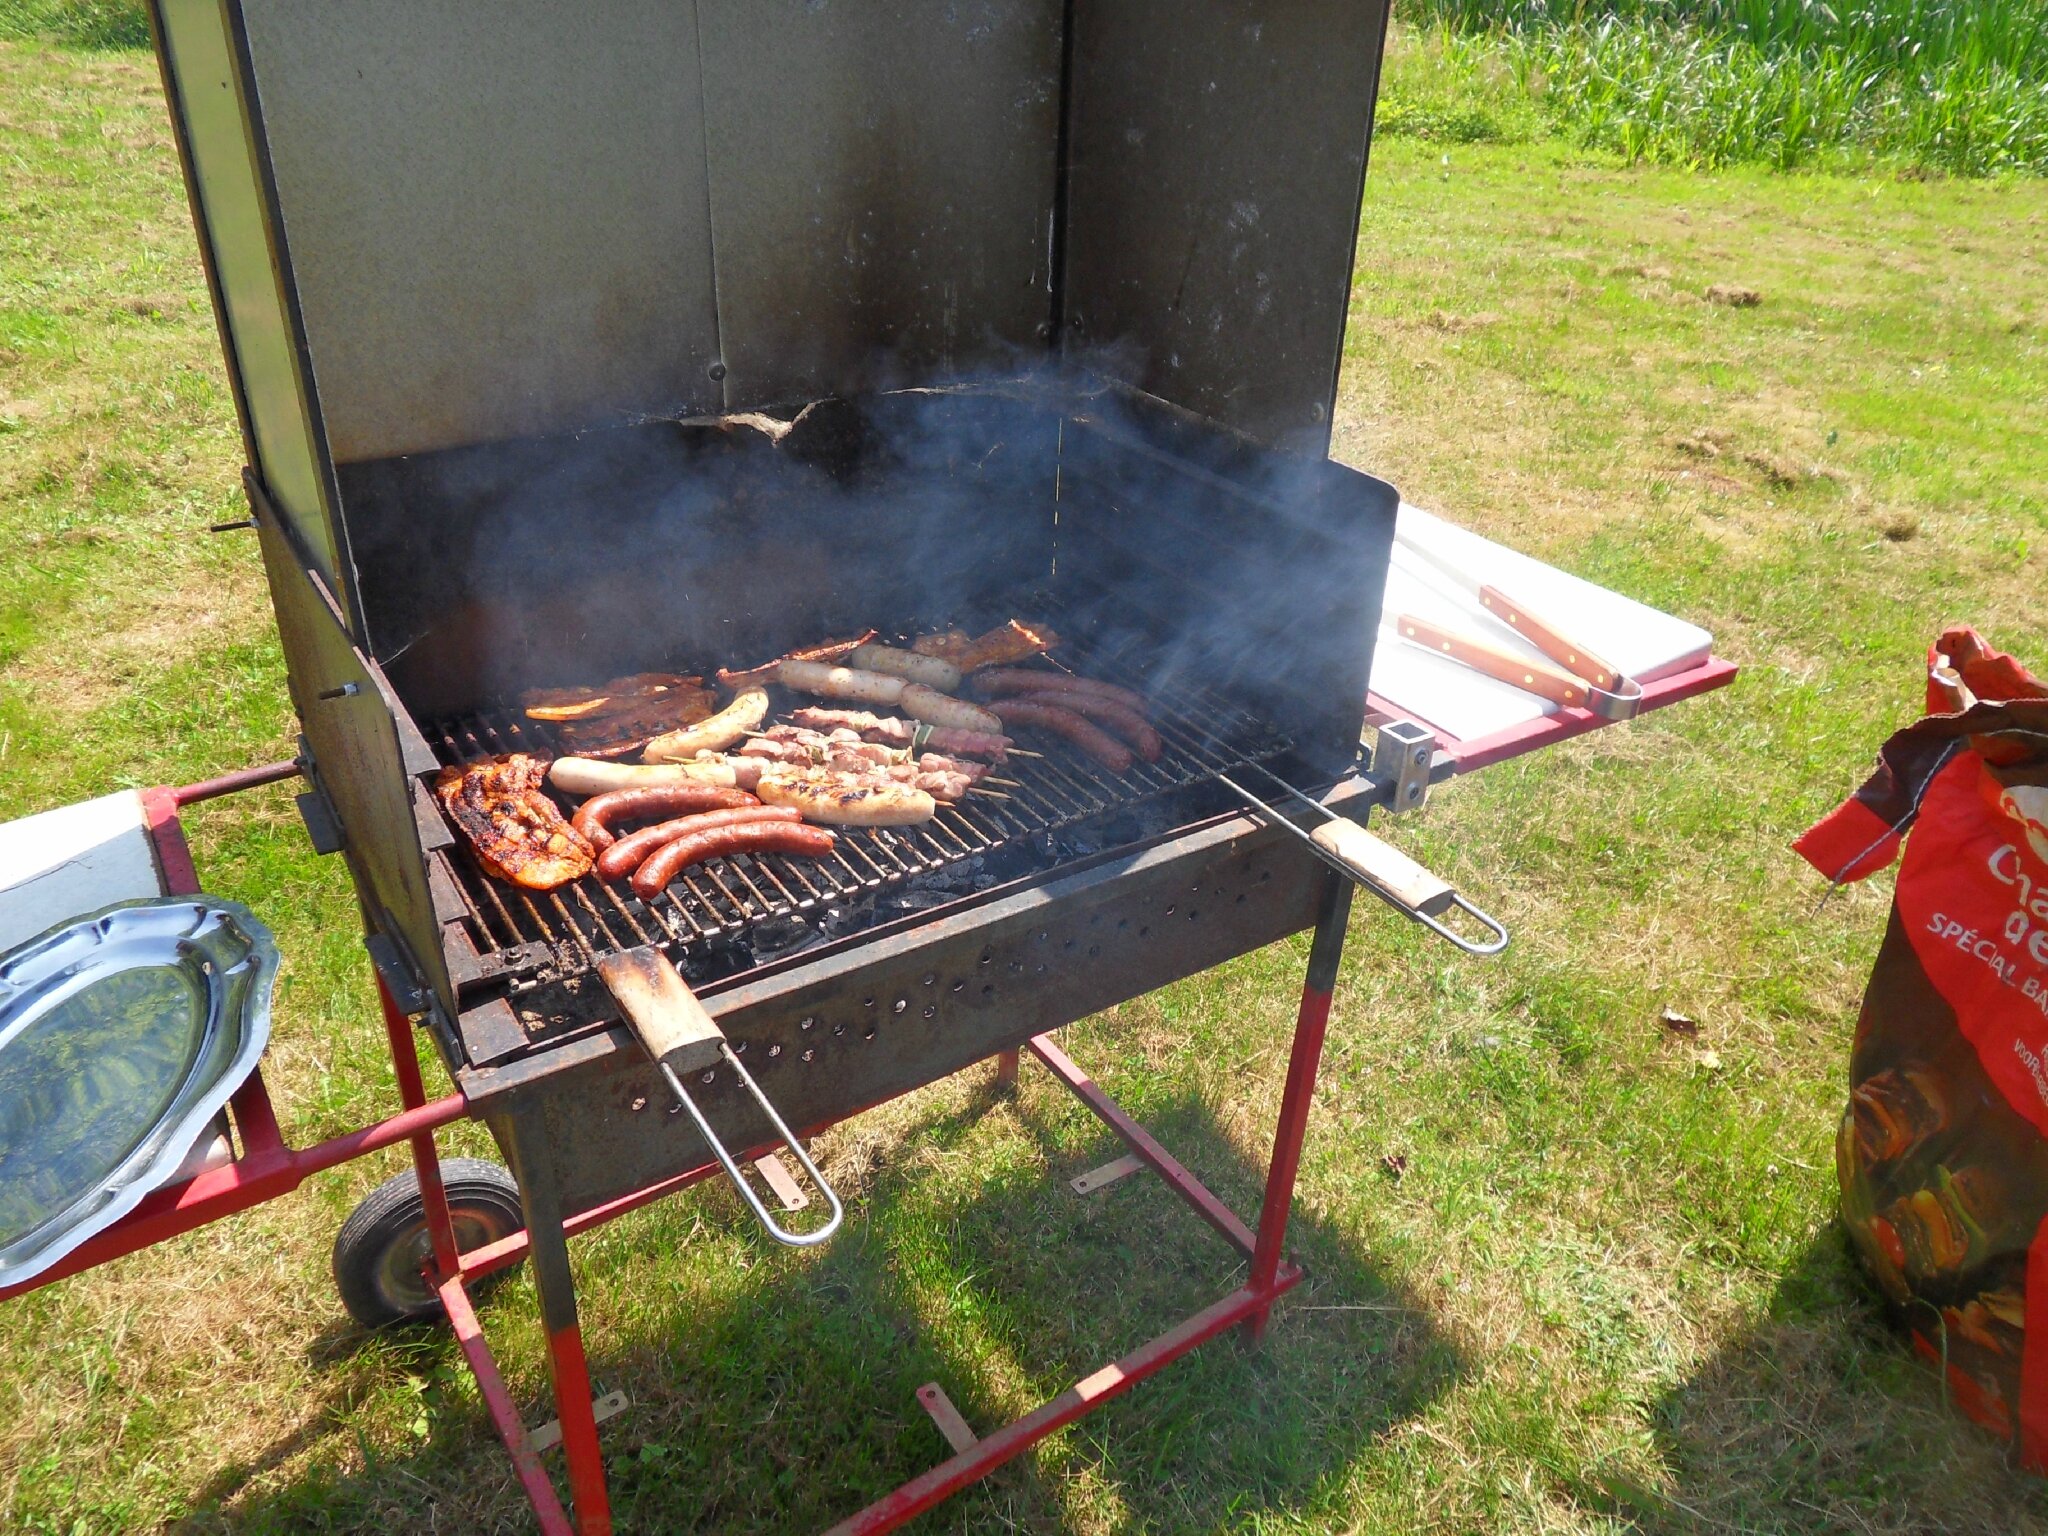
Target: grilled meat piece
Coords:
[[516, 830], [622, 695], [636, 722], [1000, 647]]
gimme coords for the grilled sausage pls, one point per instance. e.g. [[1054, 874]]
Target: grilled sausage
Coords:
[[593, 815], [848, 799], [1012, 680], [672, 858], [840, 682], [747, 710], [627, 854], [908, 665], [1083, 733], [587, 776], [1126, 722], [935, 708]]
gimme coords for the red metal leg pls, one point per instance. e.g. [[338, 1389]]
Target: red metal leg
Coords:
[[1140, 1141], [1303, 1062], [1084, 1396], [426, 1161], [540, 1194], [1006, 1070], [533, 1477]]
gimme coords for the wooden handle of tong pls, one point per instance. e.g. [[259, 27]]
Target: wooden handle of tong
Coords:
[[661, 1010], [1548, 639], [1530, 676]]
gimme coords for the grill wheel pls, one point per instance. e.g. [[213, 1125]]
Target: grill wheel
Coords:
[[379, 1249]]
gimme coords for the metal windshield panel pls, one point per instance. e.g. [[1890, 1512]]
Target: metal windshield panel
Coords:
[[224, 161], [882, 181], [121, 1035], [496, 213], [1216, 160]]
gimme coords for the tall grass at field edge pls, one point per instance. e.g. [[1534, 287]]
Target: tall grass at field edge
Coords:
[[1939, 84]]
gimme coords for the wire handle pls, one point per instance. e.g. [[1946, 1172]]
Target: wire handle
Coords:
[[1381, 868], [774, 1229], [675, 1028]]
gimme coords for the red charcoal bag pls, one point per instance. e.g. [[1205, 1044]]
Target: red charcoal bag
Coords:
[[1943, 1149]]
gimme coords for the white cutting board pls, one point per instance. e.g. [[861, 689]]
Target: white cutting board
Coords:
[[1644, 643]]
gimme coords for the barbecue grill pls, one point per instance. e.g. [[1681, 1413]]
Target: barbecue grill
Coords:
[[571, 341]]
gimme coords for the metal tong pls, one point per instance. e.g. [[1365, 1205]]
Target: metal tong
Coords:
[[667, 1018], [1579, 680], [1380, 867]]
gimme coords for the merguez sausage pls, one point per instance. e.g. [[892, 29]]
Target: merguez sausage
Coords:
[[671, 859], [1127, 723], [592, 815], [1006, 680], [625, 856], [1083, 733]]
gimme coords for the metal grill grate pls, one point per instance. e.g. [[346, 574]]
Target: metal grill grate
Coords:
[[557, 934]]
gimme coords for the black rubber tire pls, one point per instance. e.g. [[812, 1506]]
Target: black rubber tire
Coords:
[[377, 1250]]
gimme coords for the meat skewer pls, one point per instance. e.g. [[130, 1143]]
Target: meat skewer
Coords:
[[1126, 722], [628, 853], [848, 799], [1081, 731], [1013, 680], [893, 732], [673, 857]]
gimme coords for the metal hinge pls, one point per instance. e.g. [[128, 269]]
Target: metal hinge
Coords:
[[1402, 755]]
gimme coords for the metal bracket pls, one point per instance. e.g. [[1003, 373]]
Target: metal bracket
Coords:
[[1107, 1174], [323, 827], [545, 1437], [932, 1398], [410, 997], [1402, 754], [776, 1175]]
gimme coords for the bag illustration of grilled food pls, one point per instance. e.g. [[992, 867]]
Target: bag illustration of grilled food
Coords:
[[1943, 1149]]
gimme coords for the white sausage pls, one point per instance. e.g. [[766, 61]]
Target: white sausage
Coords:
[[840, 682], [928, 670], [590, 776], [745, 713], [935, 708]]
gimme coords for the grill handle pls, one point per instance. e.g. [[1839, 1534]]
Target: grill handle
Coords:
[[667, 1018], [1380, 867]]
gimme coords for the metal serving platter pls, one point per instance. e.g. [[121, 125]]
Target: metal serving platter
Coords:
[[122, 1034]]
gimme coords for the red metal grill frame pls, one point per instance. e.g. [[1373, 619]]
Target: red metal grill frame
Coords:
[[267, 1168]]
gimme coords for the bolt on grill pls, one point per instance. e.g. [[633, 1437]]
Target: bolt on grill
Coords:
[[558, 935]]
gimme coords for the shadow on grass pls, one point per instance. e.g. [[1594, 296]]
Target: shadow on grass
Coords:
[[1820, 1419], [784, 1399]]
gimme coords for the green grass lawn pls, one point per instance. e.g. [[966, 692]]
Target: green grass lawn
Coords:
[[1569, 1272]]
